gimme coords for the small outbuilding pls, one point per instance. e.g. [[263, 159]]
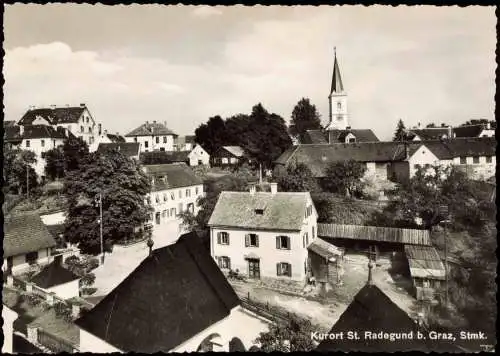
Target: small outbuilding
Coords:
[[57, 279], [326, 263]]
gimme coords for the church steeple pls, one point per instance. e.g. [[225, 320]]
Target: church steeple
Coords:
[[337, 100]]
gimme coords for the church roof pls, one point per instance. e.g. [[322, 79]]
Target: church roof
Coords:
[[337, 85]]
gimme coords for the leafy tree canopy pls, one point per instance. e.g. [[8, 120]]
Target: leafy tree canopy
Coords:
[[305, 117], [55, 162], [74, 150], [345, 176], [294, 335], [18, 170], [124, 187], [297, 178]]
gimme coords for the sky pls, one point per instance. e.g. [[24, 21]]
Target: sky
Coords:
[[184, 64]]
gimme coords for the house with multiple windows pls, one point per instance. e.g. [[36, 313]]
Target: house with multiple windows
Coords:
[[26, 242], [152, 136], [174, 189], [227, 156], [184, 143], [263, 234], [176, 300], [129, 149], [198, 156], [105, 137]]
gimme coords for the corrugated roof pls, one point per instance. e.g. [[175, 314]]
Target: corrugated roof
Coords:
[[62, 115], [235, 150], [375, 233], [170, 297], [128, 149], [425, 262], [53, 275], [171, 176], [151, 128], [283, 210], [25, 233]]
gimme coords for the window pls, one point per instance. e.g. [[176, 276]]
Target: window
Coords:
[[190, 207], [339, 105], [352, 140], [305, 240], [234, 160], [172, 212], [284, 269], [251, 240], [282, 242], [188, 193], [162, 149], [223, 238], [312, 235], [180, 194], [475, 160], [158, 218], [146, 144], [488, 159], [164, 214], [225, 160], [196, 189], [259, 211], [172, 195], [27, 143], [82, 129], [224, 262], [164, 139], [157, 198], [54, 142], [31, 257], [42, 142], [135, 139], [87, 119], [157, 139], [165, 197], [463, 160]]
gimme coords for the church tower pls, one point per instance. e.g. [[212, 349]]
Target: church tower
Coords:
[[337, 99]]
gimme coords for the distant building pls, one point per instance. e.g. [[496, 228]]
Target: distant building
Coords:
[[184, 143], [337, 101], [227, 156], [339, 136], [164, 157], [263, 234], [9, 317], [105, 137], [176, 300], [198, 156], [429, 133], [57, 279], [153, 136], [26, 241], [427, 270], [478, 130], [129, 149], [76, 119]]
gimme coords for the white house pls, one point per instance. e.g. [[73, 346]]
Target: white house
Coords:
[[105, 137], [184, 143], [8, 316], [27, 241], [198, 156], [57, 279], [175, 189], [76, 119], [263, 234], [152, 137], [176, 300]]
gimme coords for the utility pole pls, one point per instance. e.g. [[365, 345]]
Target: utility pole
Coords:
[[260, 173], [100, 222], [27, 181], [444, 211]]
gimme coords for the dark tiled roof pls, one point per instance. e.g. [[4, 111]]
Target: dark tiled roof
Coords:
[[424, 262], [56, 230], [61, 115], [468, 130], [151, 128], [175, 175], [236, 151], [164, 157], [115, 138], [128, 149], [339, 136], [53, 275], [25, 233], [314, 137], [282, 211], [372, 310], [462, 147], [12, 133], [375, 233], [9, 123], [430, 133], [170, 297], [42, 131]]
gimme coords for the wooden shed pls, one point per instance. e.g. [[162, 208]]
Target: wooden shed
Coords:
[[326, 263], [426, 269]]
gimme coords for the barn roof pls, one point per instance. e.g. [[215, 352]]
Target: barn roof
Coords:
[[236, 151], [171, 176], [60, 115], [425, 262], [375, 233], [53, 275], [151, 128], [324, 249]]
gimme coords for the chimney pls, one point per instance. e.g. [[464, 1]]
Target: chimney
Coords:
[[105, 132], [253, 189], [99, 129], [370, 272], [274, 188], [82, 105], [348, 127], [419, 125], [450, 132]]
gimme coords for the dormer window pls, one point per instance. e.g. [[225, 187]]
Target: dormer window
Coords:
[[259, 211], [352, 140]]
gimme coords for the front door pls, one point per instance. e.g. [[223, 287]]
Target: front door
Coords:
[[254, 268]]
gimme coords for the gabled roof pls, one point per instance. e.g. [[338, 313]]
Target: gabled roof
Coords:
[[469, 130], [164, 157], [339, 136], [173, 295], [171, 176], [236, 151], [151, 128], [429, 133], [62, 115], [372, 310], [128, 149], [115, 138], [324, 249], [25, 233], [282, 210], [375, 233], [53, 275], [424, 262], [42, 131]]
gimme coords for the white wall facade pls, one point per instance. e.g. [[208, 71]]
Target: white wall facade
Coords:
[[39, 146], [198, 156], [19, 264], [423, 156], [338, 107], [93, 344], [267, 251], [483, 168], [86, 127], [149, 143], [66, 290], [8, 316]]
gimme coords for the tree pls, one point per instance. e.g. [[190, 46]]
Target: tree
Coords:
[[18, 170], [297, 178], [74, 150], [305, 117], [124, 187], [295, 335], [211, 135], [55, 161], [345, 177], [431, 125], [400, 134]]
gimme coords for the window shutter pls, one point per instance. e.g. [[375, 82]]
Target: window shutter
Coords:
[[228, 241], [247, 240], [257, 240], [288, 242], [277, 242], [219, 238], [228, 263], [278, 269], [289, 269]]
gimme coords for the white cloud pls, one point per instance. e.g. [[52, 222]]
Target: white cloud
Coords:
[[206, 11]]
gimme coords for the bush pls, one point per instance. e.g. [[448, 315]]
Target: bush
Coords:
[[87, 280], [63, 311], [88, 291], [32, 299]]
